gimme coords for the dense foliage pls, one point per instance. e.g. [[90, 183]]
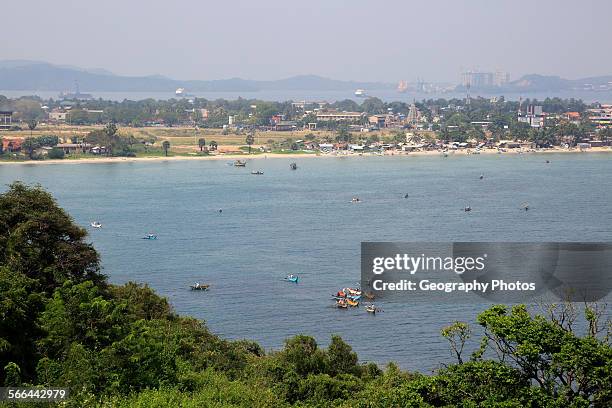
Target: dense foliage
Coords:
[[63, 324]]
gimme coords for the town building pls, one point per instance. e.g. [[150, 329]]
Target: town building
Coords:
[[501, 78], [6, 120], [69, 148], [534, 116], [378, 120], [11, 144], [285, 125], [339, 116], [477, 79], [601, 116], [572, 117], [58, 115]]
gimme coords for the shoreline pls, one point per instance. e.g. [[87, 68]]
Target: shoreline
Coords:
[[297, 156]]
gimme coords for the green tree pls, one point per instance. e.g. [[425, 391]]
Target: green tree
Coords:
[[166, 147], [201, 143], [56, 153], [457, 334], [30, 144], [111, 138], [343, 134], [38, 239], [32, 123], [576, 371], [250, 139]]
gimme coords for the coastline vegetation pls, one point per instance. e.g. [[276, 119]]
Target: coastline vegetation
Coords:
[[140, 128], [64, 324]]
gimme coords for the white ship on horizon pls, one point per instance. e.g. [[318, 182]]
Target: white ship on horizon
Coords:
[[360, 93]]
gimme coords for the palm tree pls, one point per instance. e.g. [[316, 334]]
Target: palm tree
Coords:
[[110, 131], [30, 144], [201, 143], [166, 146], [250, 139], [32, 125]]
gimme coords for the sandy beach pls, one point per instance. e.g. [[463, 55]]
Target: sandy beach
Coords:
[[229, 157]]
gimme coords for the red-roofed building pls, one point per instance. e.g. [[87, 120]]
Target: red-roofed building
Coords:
[[573, 117], [11, 144]]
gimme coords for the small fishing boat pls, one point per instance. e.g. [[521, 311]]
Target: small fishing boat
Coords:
[[352, 303], [369, 295], [341, 304], [371, 309], [150, 236], [354, 297], [258, 172], [96, 224], [355, 200], [197, 286], [292, 278], [481, 176], [239, 163], [467, 209], [293, 166], [353, 292]]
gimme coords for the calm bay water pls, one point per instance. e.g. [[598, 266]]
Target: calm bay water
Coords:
[[302, 222]]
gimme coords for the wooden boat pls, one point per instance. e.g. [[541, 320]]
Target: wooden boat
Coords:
[[353, 292], [369, 295], [239, 163], [292, 278], [354, 297], [371, 309], [341, 304], [352, 303], [199, 287]]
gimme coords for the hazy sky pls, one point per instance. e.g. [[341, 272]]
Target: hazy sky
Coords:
[[384, 40]]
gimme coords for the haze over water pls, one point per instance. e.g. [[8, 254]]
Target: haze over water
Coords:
[[387, 95], [302, 222]]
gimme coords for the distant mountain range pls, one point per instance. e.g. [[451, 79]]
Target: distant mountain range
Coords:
[[16, 75], [42, 76], [549, 83], [554, 83]]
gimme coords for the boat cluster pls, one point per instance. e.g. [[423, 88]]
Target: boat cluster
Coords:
[[350, 297]]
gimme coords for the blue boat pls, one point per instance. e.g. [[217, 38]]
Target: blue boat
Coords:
[[292, 278]]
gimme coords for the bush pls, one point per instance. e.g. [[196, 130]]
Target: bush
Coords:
[[56, 153]]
